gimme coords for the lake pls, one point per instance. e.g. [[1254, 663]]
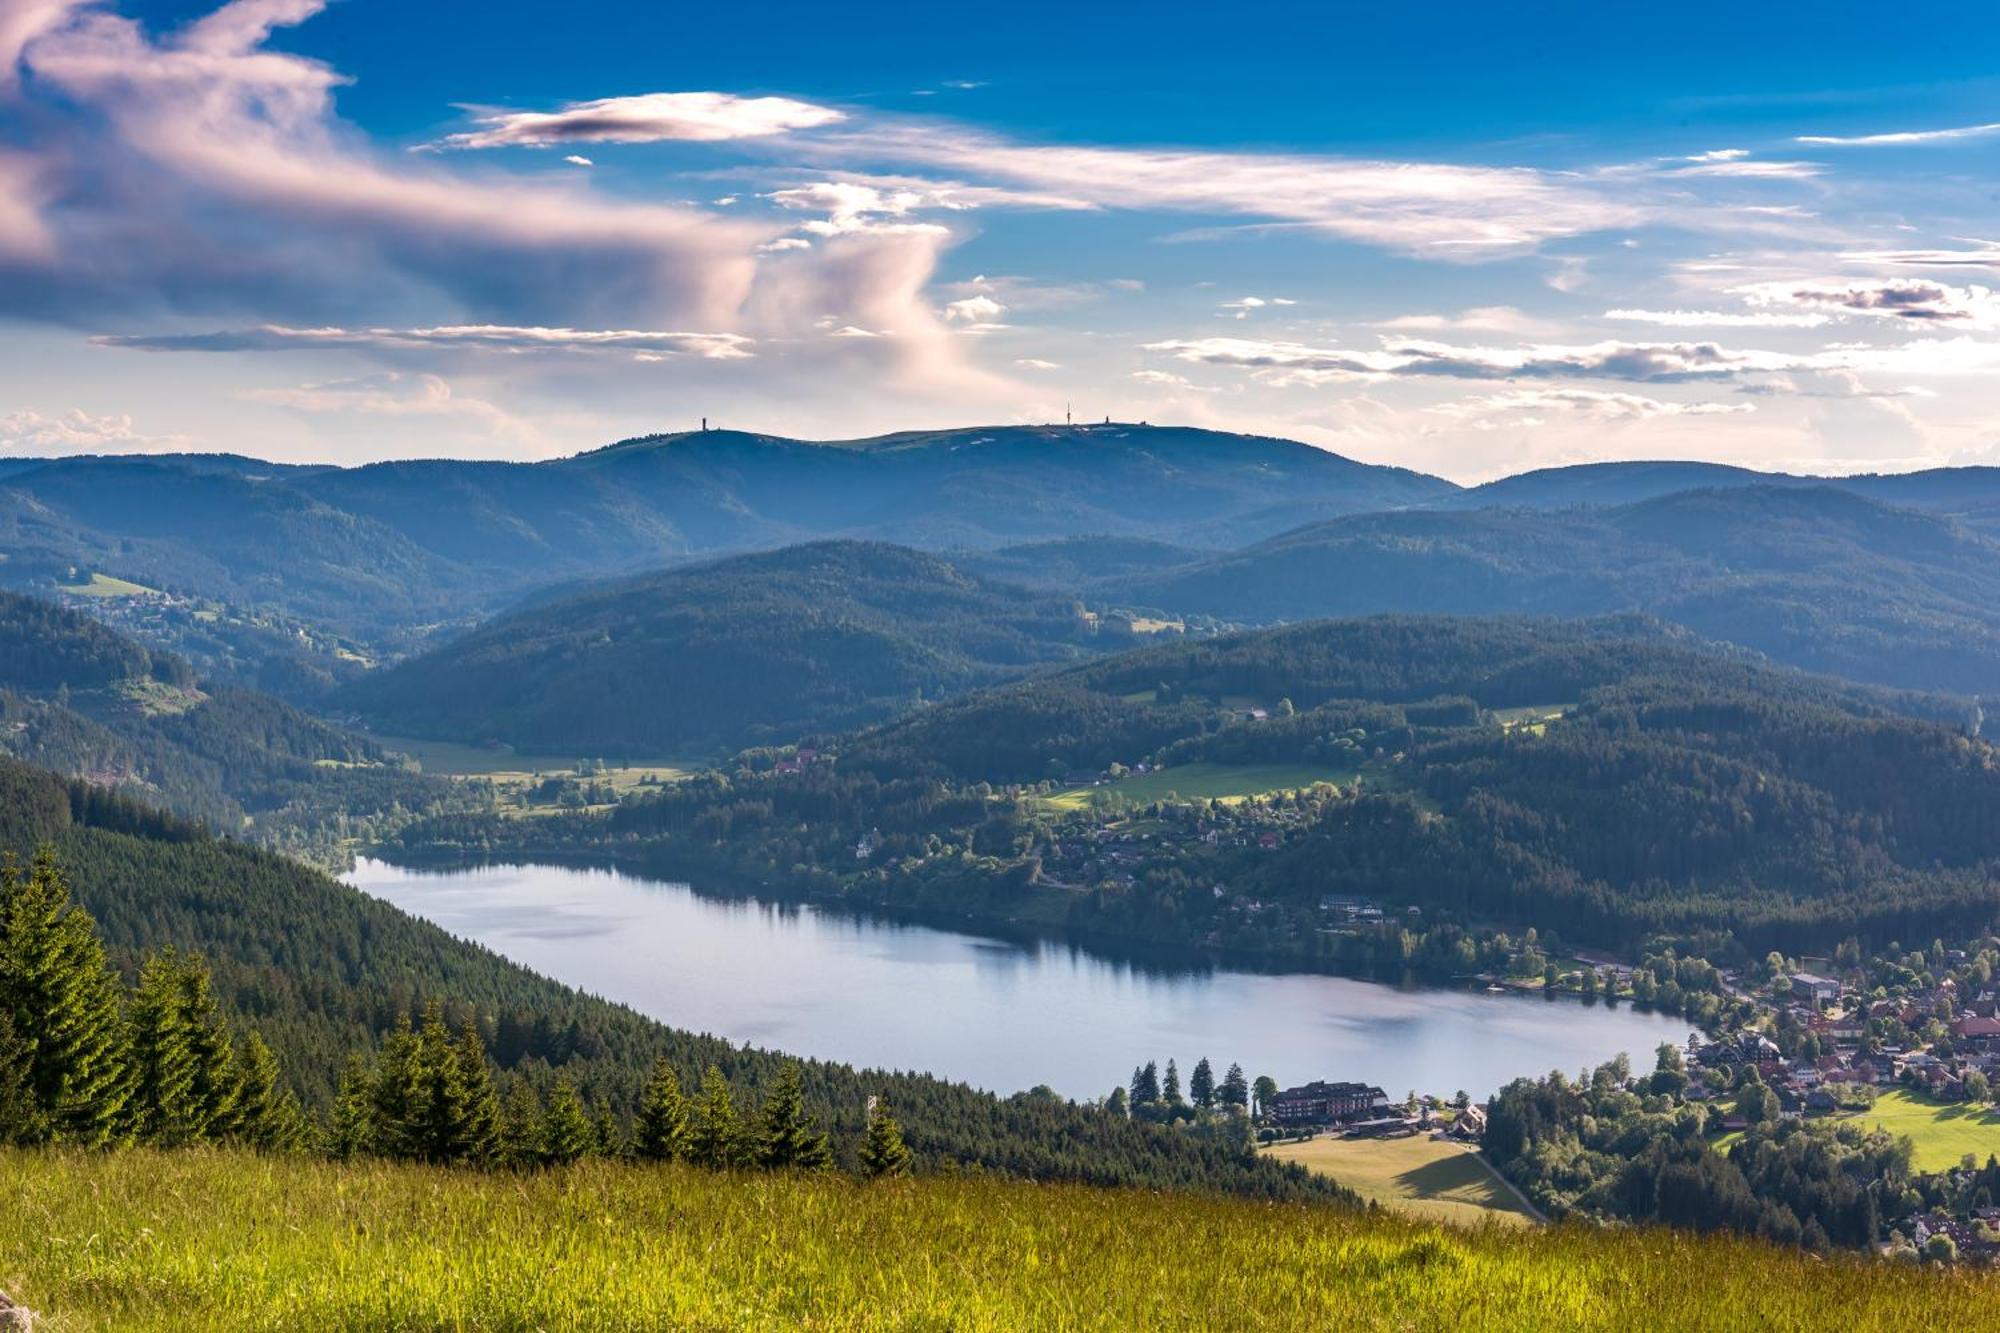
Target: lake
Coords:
[[998, 1014]]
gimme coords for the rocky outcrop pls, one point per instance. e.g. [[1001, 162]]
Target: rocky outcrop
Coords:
[[14, 1317]]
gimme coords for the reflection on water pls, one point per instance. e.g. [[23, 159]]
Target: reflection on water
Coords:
[[1000, 1014]]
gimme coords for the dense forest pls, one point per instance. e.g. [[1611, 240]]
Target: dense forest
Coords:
[[321, 970], [86, 700], [1815, 577], [730, 653], [1667, 787]]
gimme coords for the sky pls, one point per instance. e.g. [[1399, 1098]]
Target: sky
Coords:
[[1473, 241]]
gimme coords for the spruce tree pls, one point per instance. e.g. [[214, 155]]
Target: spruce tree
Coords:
[[267, 1113], [883, 1152], [482, 1099], [712, 1139], [1201, 1085], [607, 1138], [660, 1130], [20, 1118], [352, 1132], [521, 1126], [163, 1108], [1170, 1087], [63, 999], [786, 1138], [396, 1093], [1235, 1090], [215, 1073], [567, 1133]]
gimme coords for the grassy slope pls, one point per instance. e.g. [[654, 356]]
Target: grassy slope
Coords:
[[1439, 1182], [137, 1242]]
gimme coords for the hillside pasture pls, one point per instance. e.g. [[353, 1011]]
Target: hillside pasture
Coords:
[[1423, 1177], [1941, 1132], [103, 585]]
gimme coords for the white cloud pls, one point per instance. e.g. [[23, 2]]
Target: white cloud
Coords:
[[1908, 299], [1035, 363], [1902, 137], [974, 310], [1585, 402], [468, 337], [1243, 305], [579, 160], [1978, 254], [393, 395], [1721, 319], [703, 117], [1479, 319], [78, 432]]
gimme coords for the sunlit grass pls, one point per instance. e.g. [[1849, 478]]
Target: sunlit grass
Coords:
[[1202, 782], [1417, 1175], [139, 1241]]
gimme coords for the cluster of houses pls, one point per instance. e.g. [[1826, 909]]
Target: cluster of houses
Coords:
[[1362, 1110], [1842, 1024]]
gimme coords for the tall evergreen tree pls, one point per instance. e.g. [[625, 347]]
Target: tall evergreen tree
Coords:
[[883, 1152], [521, 1126], [267, 1112], [163, 1108], [660, 1130], [453, 1116], [1170, 1086], [352, 1131], [396, 1092], [786, 1138], [1235, 1089], [714, 1137], [567, 1133], [1201, 1085], [62, 997], [215, 1073], [20, 1118], [1146, 1084]]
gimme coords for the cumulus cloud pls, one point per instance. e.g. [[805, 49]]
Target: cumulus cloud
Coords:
[[1912, 299], [1243, 305], [469, 337], [702, 117], [1902, 137], [974, 310], [578, 160], [77, 432]]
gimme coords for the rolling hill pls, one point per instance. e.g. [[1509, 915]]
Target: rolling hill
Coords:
[[1814, 576], [383, 552], [744, 650]]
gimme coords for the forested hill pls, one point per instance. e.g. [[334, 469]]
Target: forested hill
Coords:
[[738, 651], [1813, 576], [1611, 778], [378, 552], [322, 970], [87, 701]]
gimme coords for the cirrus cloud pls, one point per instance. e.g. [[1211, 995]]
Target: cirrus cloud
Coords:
[[700, 117]]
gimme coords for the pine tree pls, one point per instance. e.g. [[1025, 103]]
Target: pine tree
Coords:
[[660, 1131], [215, 1073], [20, 1118], [521, 1125], [63, 999], [1235, 1090], [396, 1093], [1201, 1085], [1170, 1086], [713, 1138], [1146, 1084], [267, 1113], [163, 1108], [883, 1152], [567, 1133], [482, 1099], [787, 1138], [607, 1138], [352, 1132]]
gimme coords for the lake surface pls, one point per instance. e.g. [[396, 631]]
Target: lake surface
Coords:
[[997, 1014]]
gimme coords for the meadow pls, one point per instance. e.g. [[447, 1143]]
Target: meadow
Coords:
[[1941, 1132], [103, 585], [1418, 1176], [138, 1241], [1203, 782]]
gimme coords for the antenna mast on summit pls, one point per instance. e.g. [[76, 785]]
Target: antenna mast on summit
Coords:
[[1066, 416]]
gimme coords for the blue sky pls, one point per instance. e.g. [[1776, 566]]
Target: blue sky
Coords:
[[1475, 241]]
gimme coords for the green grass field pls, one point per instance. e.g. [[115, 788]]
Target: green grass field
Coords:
[[453, 759], [1420, 1176], [139, 1242], [1224, 782], [1942, 1132], [103, 585]]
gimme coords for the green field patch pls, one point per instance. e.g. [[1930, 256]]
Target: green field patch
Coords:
[[1205, 782], [1424, 1177], [1942, 1132], [1534, 719], [103, 585]]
